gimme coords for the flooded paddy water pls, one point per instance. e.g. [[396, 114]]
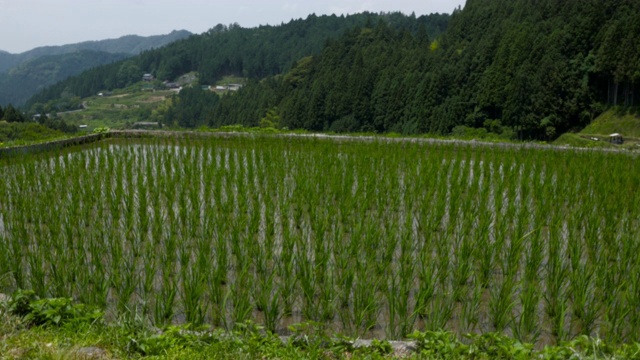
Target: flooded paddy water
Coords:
[[369, 239]]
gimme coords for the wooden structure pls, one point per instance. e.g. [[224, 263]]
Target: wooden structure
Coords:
[[616, 139]]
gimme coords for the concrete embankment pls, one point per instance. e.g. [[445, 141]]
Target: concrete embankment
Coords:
[[52, 145], [139, 134], [92, 138]]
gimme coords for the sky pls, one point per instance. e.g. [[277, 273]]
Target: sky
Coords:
[[26, 24]]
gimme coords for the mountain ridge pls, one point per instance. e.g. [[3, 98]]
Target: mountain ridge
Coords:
[[22, 75], [129, 44]]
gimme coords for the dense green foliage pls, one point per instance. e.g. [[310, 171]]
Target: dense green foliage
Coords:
[[26, 132], [191, 107], [52, 311], [14, 126], [79, 332], [233, 50], [11, 114], [7, 61], [57, 124], [540, 67], [537, 68], [369, 80]]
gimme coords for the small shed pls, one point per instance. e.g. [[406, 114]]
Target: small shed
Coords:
[[616, 138], [147, 77]]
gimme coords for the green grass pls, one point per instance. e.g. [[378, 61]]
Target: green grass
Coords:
[[582, 141], [596, 135], [622, 121], [120, 110], [231, 80]]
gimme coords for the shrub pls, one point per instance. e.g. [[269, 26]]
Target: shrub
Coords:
[[51, 312]]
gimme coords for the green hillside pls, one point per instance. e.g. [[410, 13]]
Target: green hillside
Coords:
[[21, 82], [129, 44], [22, 75], [121, 109], [519, 69], [233, 50], [513, 69], [7, 61], [623, 121]]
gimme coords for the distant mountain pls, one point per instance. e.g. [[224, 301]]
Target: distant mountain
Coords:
[[21, 82], [22, 75], [129, 44], [7, 61]]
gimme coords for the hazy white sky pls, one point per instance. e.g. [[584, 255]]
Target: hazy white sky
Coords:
[[26, 24]]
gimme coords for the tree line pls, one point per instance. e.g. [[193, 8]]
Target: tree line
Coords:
[[10, 114]]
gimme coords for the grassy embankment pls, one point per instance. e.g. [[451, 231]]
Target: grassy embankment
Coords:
[[596, 134]]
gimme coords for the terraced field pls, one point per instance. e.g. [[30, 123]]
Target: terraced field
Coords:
[[367, 238]]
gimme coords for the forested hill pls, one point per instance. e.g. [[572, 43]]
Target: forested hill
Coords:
[[234, 50], [541, 67], [528, 69], [518, 68]]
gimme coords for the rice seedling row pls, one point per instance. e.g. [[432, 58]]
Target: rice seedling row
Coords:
[[363, 238]]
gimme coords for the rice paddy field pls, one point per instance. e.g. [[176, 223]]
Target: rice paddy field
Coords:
[[363, 238]]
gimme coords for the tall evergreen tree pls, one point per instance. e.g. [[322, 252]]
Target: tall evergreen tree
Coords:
[[11, 114]]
